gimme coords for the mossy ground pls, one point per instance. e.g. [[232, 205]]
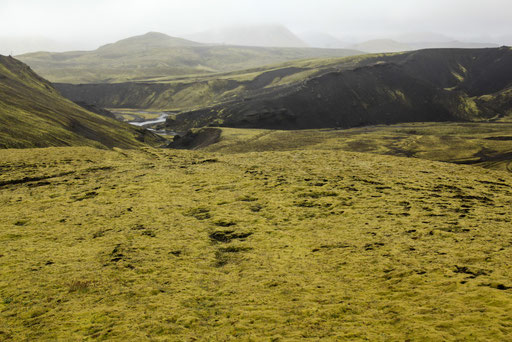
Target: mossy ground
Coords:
[[292, 245], [483, 144]]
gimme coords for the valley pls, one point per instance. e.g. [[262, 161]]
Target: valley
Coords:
[[168, 190], [427, 85]]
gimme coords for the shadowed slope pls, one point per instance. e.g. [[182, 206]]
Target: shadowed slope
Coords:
[[426, 85], [34, 114]]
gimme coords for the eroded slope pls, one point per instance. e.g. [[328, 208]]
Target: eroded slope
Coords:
[[427, 85]]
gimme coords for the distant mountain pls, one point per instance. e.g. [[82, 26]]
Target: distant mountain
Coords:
[[322, 40], [34, 114], [505, 40], [381, 45], [429, 40], [389, 45], [427, 85], [262, 35], [19, 45], [418, 37], [451, 45], [155, 55], [148, 41]]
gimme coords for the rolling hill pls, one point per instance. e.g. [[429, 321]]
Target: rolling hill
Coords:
[[159, 244], [34, 114], [156, 55], [426, 85], [190, 92]]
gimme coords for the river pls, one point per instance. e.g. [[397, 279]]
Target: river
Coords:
[[160, 119]]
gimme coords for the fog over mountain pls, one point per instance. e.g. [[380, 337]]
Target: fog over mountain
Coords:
[[255, 35], [30, 25]]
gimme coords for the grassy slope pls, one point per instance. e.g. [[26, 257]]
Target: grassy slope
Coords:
[[483, 144], [181, 245], [157, 55], [34, 114], [181, 93]]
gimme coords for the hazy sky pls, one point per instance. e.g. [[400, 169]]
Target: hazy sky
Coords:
[[90, 23]]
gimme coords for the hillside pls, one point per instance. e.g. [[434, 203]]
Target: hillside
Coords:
[[425, 85], [320, 245], [193, 92], [483, 144], [436, 84], [158, 55], [34, 114]]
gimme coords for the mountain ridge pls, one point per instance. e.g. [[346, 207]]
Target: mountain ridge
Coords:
[[426, 85], [157, 55]]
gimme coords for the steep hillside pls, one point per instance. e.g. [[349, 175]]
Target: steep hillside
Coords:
[[426, 85], [34, 114], [191, 92], [157, 55]]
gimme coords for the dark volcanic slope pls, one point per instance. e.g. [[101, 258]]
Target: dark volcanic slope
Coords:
[[426, 85], [34, 114]]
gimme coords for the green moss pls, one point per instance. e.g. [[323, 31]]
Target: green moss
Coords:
[[458, 76], [255, 246]]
